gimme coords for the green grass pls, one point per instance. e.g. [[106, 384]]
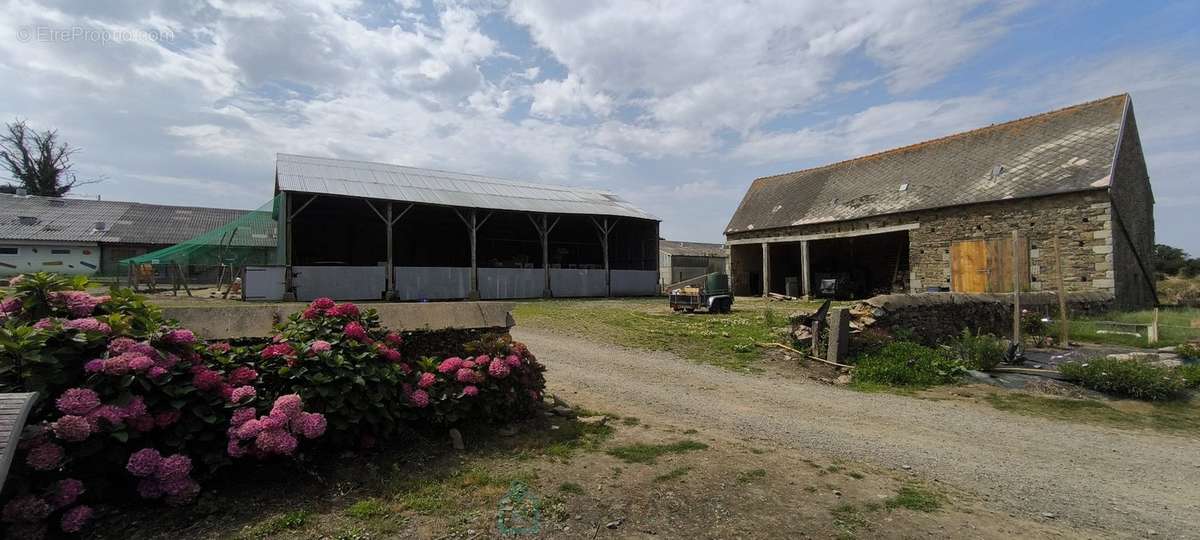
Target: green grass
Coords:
[[571, 488], [726, 340], [905, 364], [367, 508], [1174, 327], [751, 476], [1167, 417], [915, 498], [678, 472], [649, 453], [293, 520], [848, 519]]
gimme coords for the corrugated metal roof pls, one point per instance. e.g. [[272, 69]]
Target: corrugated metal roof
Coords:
[[1061, 151], [411, 184], [52, 219], [692, 249]]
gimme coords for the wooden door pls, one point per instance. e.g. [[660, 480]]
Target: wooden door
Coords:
[[987, 266], [969, 266]]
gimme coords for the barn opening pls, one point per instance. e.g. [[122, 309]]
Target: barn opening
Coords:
[[859, 266]]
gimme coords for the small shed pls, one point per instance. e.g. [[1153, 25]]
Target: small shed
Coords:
[[678, 261], [363, 230]]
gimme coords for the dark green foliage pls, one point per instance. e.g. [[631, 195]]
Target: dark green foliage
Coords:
[[1126, 378], [978, 351], [908, 364], [1190, 373], [1189, 351]]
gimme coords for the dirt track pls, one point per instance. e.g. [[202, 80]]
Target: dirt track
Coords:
[[1122, 482]]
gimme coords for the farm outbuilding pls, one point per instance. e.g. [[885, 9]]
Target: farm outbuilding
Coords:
[[362, 230], [678, 261], [1063, 195]]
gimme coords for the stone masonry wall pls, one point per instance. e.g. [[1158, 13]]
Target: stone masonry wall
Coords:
[[1133, 222], [1082, 221]]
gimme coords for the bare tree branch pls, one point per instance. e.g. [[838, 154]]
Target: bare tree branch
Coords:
[[38, 162]]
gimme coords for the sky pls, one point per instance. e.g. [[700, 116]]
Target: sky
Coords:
[[676, 106]]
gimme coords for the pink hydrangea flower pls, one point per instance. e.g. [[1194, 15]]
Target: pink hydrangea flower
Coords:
[[426, 380], [45, 457], [276, 441], [323, 303], [393, 339], [277, 350], [420, 398], [234, 449], [156, 372], [390, 354], [166, 418], [120, 345], [275, 420], [242, 375], [72, 428], [110, 414], [320, 346], [78, 401], [206, 380], [249, 429], [65, 492], [180, 336], [45, 323], [141, 423], [11, 304], [310, 313], [219, 347], [118, 365], [166, 361], [88, 324], [173, 467], [512, 360], [140, 363], [75, 519], [25, 509], [464, 375], [94, 366], [309, 425], [135, 407], [355, 331], [241, 416], [498, 369], [470, 390], [344, 310], [468, 364], [288, 405], [450, 365], [242, 393], [144, 462], [78, 303]]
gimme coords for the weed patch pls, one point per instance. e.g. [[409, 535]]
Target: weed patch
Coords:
[[907, 364], [571, 488], [367, 508], [678, 472], [915, 498], [1169, 417], [286, 522], [649, 453], [1126, 378], [749, 477]]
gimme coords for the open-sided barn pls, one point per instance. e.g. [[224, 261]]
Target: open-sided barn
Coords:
[[940, 215], [361, 230]]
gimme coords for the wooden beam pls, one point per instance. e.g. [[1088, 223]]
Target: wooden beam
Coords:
[[603, 231], [805, 277], [1064, 326], [303, 206], [826, 236], [766, 269], [1016, 281]]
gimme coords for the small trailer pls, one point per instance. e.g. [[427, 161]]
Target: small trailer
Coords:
[[709, 292]]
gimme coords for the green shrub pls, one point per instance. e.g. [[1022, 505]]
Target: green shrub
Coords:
[[905, 363], [1032, 323], [1190, 374], [978, 351], [1190, 351], [1127, 378]]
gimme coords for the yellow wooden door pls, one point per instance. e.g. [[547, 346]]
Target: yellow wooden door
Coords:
[[987, 266], [968, 266]]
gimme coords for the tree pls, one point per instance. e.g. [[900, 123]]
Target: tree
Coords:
[[38, 161], [1169, 260]]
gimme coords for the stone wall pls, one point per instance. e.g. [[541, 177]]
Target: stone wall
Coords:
[[1133, 220], [933, 317], [1082, 221]]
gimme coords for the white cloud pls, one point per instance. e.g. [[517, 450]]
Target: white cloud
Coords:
[[568, 97]]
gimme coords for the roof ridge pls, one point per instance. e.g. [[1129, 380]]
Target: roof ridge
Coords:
[[946, 138], [114, 201]]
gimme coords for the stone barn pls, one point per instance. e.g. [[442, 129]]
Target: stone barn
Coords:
[[973, 212]]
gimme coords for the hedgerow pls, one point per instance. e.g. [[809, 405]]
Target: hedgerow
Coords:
[[131, 403]]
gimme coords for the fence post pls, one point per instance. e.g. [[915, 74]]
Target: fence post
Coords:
[[1064, 326], [1016, 237], [1152, 332]]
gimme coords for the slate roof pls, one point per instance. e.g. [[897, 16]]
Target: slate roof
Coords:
[[692, 249], [51, 219], [1062, 151], [428, 186]]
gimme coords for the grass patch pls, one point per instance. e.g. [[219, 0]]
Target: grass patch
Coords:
[[571, 488], [1168, 417], [293, 520], [906, 364], [1126, 378], [751, 476], [726, 340], [649, 453], [915, 498], [848, 519], [678, 472], [367, 508], [1174, 327]]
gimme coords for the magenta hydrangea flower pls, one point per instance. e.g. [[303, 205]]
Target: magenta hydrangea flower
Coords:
[[427, 379], [468, 364], [65, 493], [498, 369], [242, 393], [140, 363], [276, 441], [393, 339], [420, 398], [206, 380], [118, 365], [234, 449], [78, 303], [78, 401], [288, 405], [166, 418], [323, 303], [249, 429], [309, 425], [450, 365], [156, 372], [88, 324], [75, 519], [25, 509], [219, 347], [135, 407], [344, 310], [241, 416], [110, 414], [512, 360], [470, 390], [173, 467], [45, 457], [94, 366], [181, 336], [464, 375], [310, 313], [120, 345], [242, 376], [144, 462], [390, 354], [11, 304], [277, 350], [46, 323], [275, 420], [355, 331], [319, 346], [72, 428]]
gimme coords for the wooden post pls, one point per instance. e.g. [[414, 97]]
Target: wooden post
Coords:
[[805, 284], [766, 269], [1016, 272], [1064, 326], [543, 230], [473, 224], [603, 230], [1152, 332]]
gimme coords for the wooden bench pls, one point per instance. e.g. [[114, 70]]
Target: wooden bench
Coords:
[[14, 410]]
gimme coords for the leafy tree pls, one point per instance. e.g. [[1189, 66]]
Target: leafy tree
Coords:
[[39, 161], [1169, 260]]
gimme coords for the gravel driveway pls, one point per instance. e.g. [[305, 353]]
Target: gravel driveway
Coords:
[[1126, 483]]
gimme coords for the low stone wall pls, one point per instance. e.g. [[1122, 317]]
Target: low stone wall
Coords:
[[932, 317], [258, 320]]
